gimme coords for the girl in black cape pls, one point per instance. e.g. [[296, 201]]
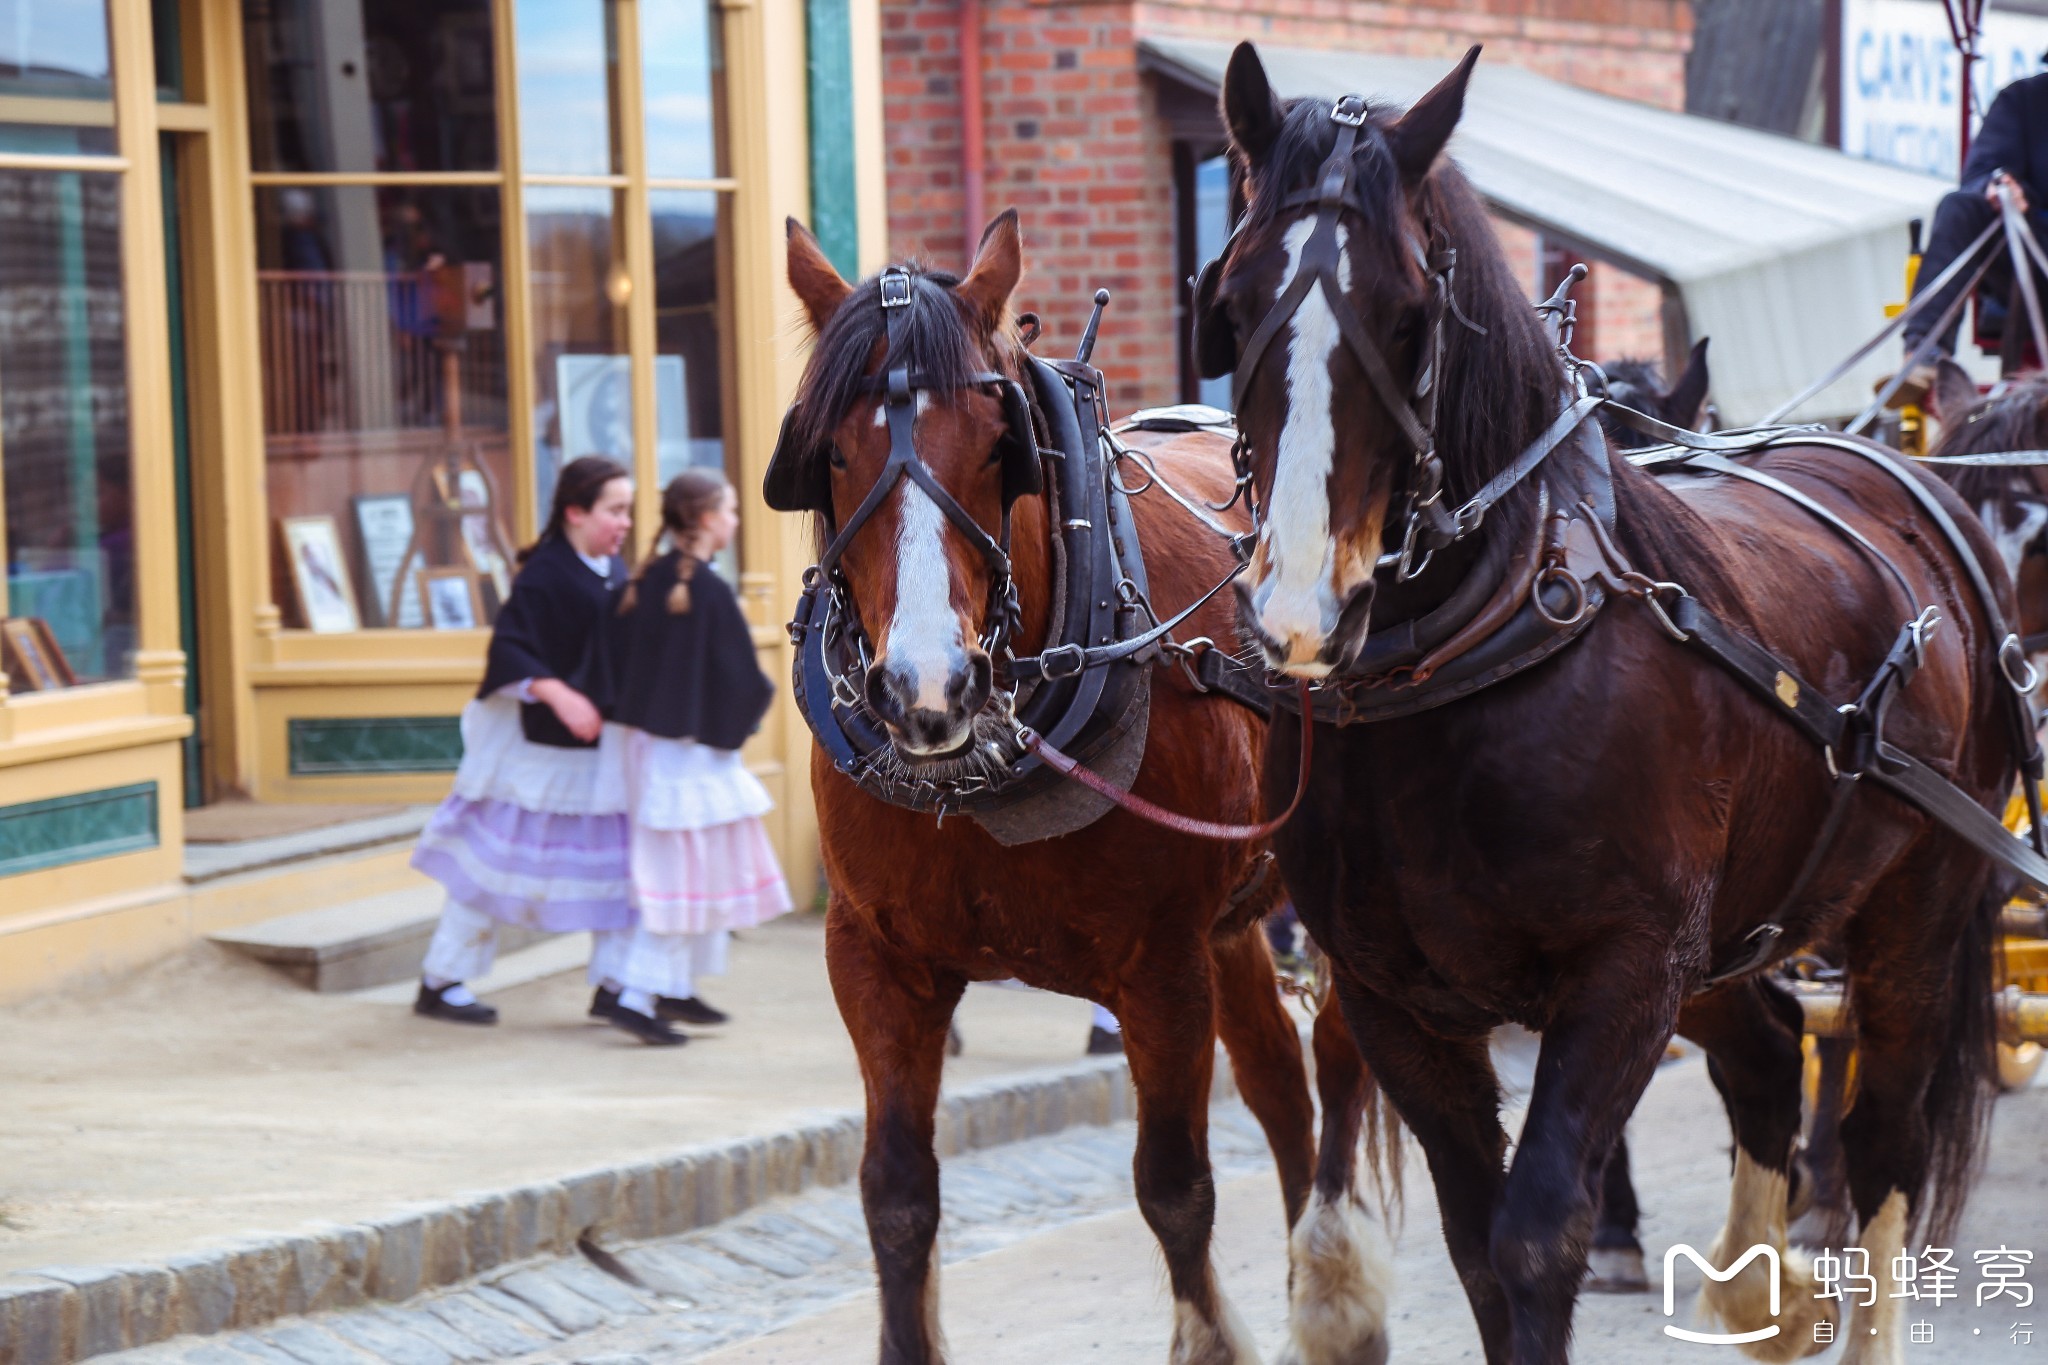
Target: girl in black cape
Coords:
[[534, 834], [676, 671]]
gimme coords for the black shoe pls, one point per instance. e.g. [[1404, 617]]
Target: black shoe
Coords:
[[431, 1004], [653, 1032], [603, 1003], [1103, 1043], [693, 1010]]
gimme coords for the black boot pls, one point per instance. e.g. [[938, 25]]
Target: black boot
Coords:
[[653, 1032], [693, 1010], [431, 1004], [603, 1003]]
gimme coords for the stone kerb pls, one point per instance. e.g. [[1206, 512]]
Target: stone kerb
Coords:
[[58, 1315]]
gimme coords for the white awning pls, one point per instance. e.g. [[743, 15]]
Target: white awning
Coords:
[[1783, 252]]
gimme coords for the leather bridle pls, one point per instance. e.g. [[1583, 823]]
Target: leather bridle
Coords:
[[1428, 524]]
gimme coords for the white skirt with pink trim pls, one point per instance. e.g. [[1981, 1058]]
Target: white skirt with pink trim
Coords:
[[701, 859]]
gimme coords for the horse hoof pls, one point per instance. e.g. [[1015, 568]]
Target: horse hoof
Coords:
[[1616, 1270]]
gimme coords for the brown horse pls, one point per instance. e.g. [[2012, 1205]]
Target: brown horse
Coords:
[[1143, 921], [1606, 837], [2011, 502]]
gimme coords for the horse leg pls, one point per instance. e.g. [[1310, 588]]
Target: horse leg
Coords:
[[1615, 1263], [1750, 1030], [1338, 1267], [1168, 1015], [1337, 1270], [897, 1011], [1600, 1047], [1265, 1056], [1926, 1056], [1448, 1096]]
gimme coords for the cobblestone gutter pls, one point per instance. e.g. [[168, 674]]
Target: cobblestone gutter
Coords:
[[61, 1314]]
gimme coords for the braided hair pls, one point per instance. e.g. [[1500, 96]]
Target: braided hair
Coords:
[[690, 497]]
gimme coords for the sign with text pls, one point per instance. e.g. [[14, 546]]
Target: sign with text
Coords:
[[1902, 78]]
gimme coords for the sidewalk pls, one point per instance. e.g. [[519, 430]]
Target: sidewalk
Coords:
[[211, 1099]]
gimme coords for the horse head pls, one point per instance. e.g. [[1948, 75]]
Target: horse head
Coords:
[[1639, 384], [2011, 501], [1343, 307], [909, 439]]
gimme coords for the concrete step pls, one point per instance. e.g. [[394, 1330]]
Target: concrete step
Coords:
[[211, 862], [362, 943], [555, 953]]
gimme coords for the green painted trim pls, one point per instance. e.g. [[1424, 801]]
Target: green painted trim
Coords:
[[835, 196], [330, 745], [76, 828]]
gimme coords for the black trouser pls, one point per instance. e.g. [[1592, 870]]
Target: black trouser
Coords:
[[1960, 216]]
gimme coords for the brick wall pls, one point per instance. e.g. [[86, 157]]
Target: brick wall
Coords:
[[1074, 140]]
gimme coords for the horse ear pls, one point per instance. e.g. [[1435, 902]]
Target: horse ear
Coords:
[[1955, 393], [817, 284], [1681, 406], [1420, 134], [1251, 111], [998, 265]]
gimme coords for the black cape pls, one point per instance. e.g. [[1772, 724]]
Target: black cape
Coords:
[[691, 675], [544, 629]]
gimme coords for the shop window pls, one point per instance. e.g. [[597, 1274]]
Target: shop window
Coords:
[[64, 467], [370, 85], [583, 385], [568, 87], [383, 363], [691, 267], [683, 75], [55, 49]]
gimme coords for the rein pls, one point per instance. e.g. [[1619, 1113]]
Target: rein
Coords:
[[1166, 819]]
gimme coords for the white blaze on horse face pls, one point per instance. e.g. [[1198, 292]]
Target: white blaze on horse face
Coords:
[[927, 641], [2013, 529], [1297, 600]]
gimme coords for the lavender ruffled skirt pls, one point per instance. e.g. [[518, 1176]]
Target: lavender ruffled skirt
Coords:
[[531, 835]]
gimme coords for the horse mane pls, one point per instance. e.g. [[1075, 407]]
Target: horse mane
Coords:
[[934, 340], [2015, 419], [1500, 389]]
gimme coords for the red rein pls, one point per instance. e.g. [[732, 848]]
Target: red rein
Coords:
[[1166, 819]]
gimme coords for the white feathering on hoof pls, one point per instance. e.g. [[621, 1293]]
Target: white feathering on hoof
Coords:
[[1884, 1237], [1199, 1341], [1338, 1288], [1756, 1215]]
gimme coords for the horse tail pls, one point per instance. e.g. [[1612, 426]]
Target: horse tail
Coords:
[[1381, 1127], [1960, 1094]]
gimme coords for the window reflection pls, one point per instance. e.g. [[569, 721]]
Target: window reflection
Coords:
[[568, 86], [683, 70], [371, 85], [583, 397], [64, 417], [55, 48], [383, 382]]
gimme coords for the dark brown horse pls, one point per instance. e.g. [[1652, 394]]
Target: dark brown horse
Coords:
[[1585, 845], [2011, 502], [1119, 912]]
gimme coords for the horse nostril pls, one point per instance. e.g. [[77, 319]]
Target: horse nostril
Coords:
[[969, 691], [887, 695]]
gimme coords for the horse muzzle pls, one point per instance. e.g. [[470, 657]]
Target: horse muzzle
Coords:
[[1311, 643], [919, 729]]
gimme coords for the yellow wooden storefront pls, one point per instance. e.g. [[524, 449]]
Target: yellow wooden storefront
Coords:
[[248, 207]]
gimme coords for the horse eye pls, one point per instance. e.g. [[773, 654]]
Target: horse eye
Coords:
[[838, 458]]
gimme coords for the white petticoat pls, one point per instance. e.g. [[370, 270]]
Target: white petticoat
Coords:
[[680, 785], [499, 763]]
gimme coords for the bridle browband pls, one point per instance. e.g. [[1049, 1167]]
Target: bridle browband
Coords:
[[1428, 524]]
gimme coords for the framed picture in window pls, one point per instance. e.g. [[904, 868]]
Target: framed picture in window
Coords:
[[450, 599], [30, 655], [384, 525], [327, 600]]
